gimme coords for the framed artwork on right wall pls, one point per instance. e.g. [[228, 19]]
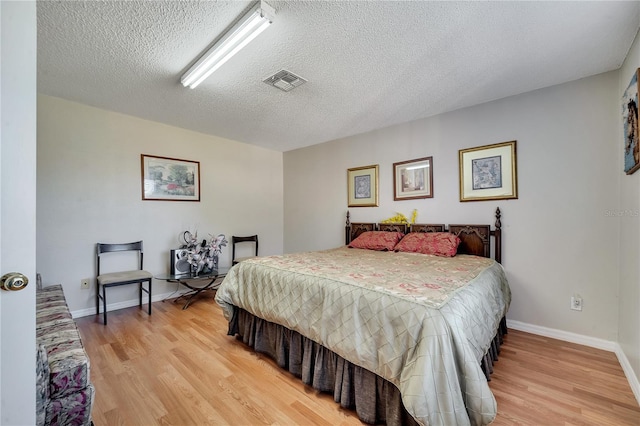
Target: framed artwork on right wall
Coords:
[[630, 123], [488, 172]]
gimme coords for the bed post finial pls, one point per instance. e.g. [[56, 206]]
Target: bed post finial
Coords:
[[347, 230], [498, 237]]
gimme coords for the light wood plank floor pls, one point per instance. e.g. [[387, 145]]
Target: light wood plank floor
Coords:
[[179, 367]]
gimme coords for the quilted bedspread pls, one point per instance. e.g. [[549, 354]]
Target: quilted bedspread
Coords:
[[421, 322]]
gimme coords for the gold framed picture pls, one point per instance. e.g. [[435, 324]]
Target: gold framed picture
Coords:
[[489, 172], [362, 186], [413, 179]]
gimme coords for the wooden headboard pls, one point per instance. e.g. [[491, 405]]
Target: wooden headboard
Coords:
[[474, 239]]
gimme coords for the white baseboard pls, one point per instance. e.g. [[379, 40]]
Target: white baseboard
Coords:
[[566, 336], [126, 304], [628, 372], [580, 339]]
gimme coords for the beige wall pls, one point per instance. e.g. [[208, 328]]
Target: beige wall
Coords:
[[558, 236], [629, 294], [88, 191]]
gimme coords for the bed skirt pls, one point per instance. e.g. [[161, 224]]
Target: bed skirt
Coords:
[[375, 400]]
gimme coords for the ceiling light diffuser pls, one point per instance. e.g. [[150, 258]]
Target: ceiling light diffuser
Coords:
[[248, 27]]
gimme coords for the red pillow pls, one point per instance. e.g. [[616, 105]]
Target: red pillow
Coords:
[[437, 243], [377, 240]]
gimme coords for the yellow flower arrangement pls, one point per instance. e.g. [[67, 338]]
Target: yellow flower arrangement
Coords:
[[400, 218]]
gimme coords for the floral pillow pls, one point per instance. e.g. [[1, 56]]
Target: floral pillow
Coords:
[[377, 240], [436, 243]]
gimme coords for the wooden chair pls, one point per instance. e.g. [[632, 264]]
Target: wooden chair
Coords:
[[112, 279], [235, 240]]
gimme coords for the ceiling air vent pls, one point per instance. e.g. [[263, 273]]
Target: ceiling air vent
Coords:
[[285, 80]]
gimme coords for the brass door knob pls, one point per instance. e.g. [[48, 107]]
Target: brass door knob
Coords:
[[13, 281]]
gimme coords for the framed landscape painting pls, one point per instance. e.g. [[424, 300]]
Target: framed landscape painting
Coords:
[[362, 186], [488, 172], [630, 123], [170, 179]]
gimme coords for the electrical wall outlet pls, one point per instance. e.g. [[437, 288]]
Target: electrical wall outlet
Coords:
[[84, 284], [576, 303]]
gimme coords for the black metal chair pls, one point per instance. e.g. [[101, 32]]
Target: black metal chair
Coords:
[[235, 240], [113, 279]]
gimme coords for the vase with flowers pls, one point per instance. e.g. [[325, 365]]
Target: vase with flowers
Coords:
[[202, 256]]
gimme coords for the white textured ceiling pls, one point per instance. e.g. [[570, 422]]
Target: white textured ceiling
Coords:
[[369, 64]]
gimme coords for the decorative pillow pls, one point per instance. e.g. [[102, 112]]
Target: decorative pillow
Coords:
[[377, 240], [437, 243]]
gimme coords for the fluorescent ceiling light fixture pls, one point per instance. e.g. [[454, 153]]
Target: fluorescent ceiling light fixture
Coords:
[[248, 27]]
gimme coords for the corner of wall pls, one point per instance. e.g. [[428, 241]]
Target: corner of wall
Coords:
[[628, 341]]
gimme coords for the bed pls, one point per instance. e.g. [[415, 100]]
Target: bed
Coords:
[[401, 337]]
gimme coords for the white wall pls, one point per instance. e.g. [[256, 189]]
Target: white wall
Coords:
[[558, 239], [629, 302], [89, 191]]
